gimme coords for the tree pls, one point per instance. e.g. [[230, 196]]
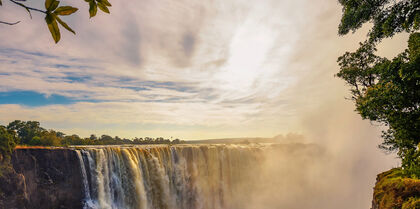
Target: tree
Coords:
[[7, 143], [176, 141], [73, 140], [53, 12], [26, 130], [49, 138], [386, 91], [93, 137], [60, 134], [388, 17]]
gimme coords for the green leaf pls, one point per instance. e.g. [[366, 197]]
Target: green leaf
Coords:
[[105, 2], [49, 18], [93, 8], [51, 5], [53, 27], [103, 7], [54, 6], [65, 25], [65, 10], [48, 3]]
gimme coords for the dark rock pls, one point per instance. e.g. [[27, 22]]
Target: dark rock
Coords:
[[12, 189], [44, 179]]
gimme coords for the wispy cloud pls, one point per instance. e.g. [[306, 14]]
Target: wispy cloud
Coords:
[[250, 64], [208, 60]]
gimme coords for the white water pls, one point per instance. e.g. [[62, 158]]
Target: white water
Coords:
[[169, 177]]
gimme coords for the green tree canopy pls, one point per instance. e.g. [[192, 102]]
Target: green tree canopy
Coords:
[[50, 138], [31, 133], [388, 17], [386, 91], [26, 130], [7, 142]]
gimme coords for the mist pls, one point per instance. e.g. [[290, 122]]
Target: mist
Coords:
[[334, 165], [339, 171]]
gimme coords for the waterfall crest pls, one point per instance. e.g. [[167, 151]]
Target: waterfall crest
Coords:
[[168, 177]]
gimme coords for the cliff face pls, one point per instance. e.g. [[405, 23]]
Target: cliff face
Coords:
[[44, 178], [395, 191], [12, 188]]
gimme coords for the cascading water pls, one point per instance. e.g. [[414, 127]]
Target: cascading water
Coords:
[[168, 177]]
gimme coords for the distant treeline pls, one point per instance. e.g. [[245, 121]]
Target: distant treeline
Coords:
[[31, 133]]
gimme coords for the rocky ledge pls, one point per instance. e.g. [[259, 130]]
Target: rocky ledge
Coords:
[[393, 190]]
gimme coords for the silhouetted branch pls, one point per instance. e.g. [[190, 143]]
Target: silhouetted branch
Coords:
[[28, 8], [9, 23]]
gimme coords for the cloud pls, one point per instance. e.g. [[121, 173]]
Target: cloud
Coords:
[[263, 57], [188, 43], [131, 46], [156, 55]]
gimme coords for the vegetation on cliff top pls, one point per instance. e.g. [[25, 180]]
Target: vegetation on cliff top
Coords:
[[7, 143], [394, 190], [386, 91], [32, 134]]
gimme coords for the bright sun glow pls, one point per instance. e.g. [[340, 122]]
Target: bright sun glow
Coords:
[[248, 51]]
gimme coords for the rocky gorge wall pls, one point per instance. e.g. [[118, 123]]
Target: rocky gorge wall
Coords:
[[42, 179]]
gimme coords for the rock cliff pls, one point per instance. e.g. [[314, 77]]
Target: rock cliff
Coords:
[[393, 190], [43, 178]]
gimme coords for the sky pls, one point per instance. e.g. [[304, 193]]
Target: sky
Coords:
[[196, 70], [186, 69]]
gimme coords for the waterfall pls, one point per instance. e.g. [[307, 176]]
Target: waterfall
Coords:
[[88, 201], [168, 177]]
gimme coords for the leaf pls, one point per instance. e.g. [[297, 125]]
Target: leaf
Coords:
[[65, 10], [54, 6], [105, 2], [93, 8], [51, 5], [65, 25], [48, 3], [53, 27], [103, 7], [1, 3], [49, 18]]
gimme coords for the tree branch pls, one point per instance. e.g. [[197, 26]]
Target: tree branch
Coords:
[[28, 8], [9, 23]]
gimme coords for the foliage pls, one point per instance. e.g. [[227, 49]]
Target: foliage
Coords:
[[7, 143], [25, 131], [411, 203], [386, 91], [53, 12], [32, 134], [394, 190], [47, 138], [388, 17]]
